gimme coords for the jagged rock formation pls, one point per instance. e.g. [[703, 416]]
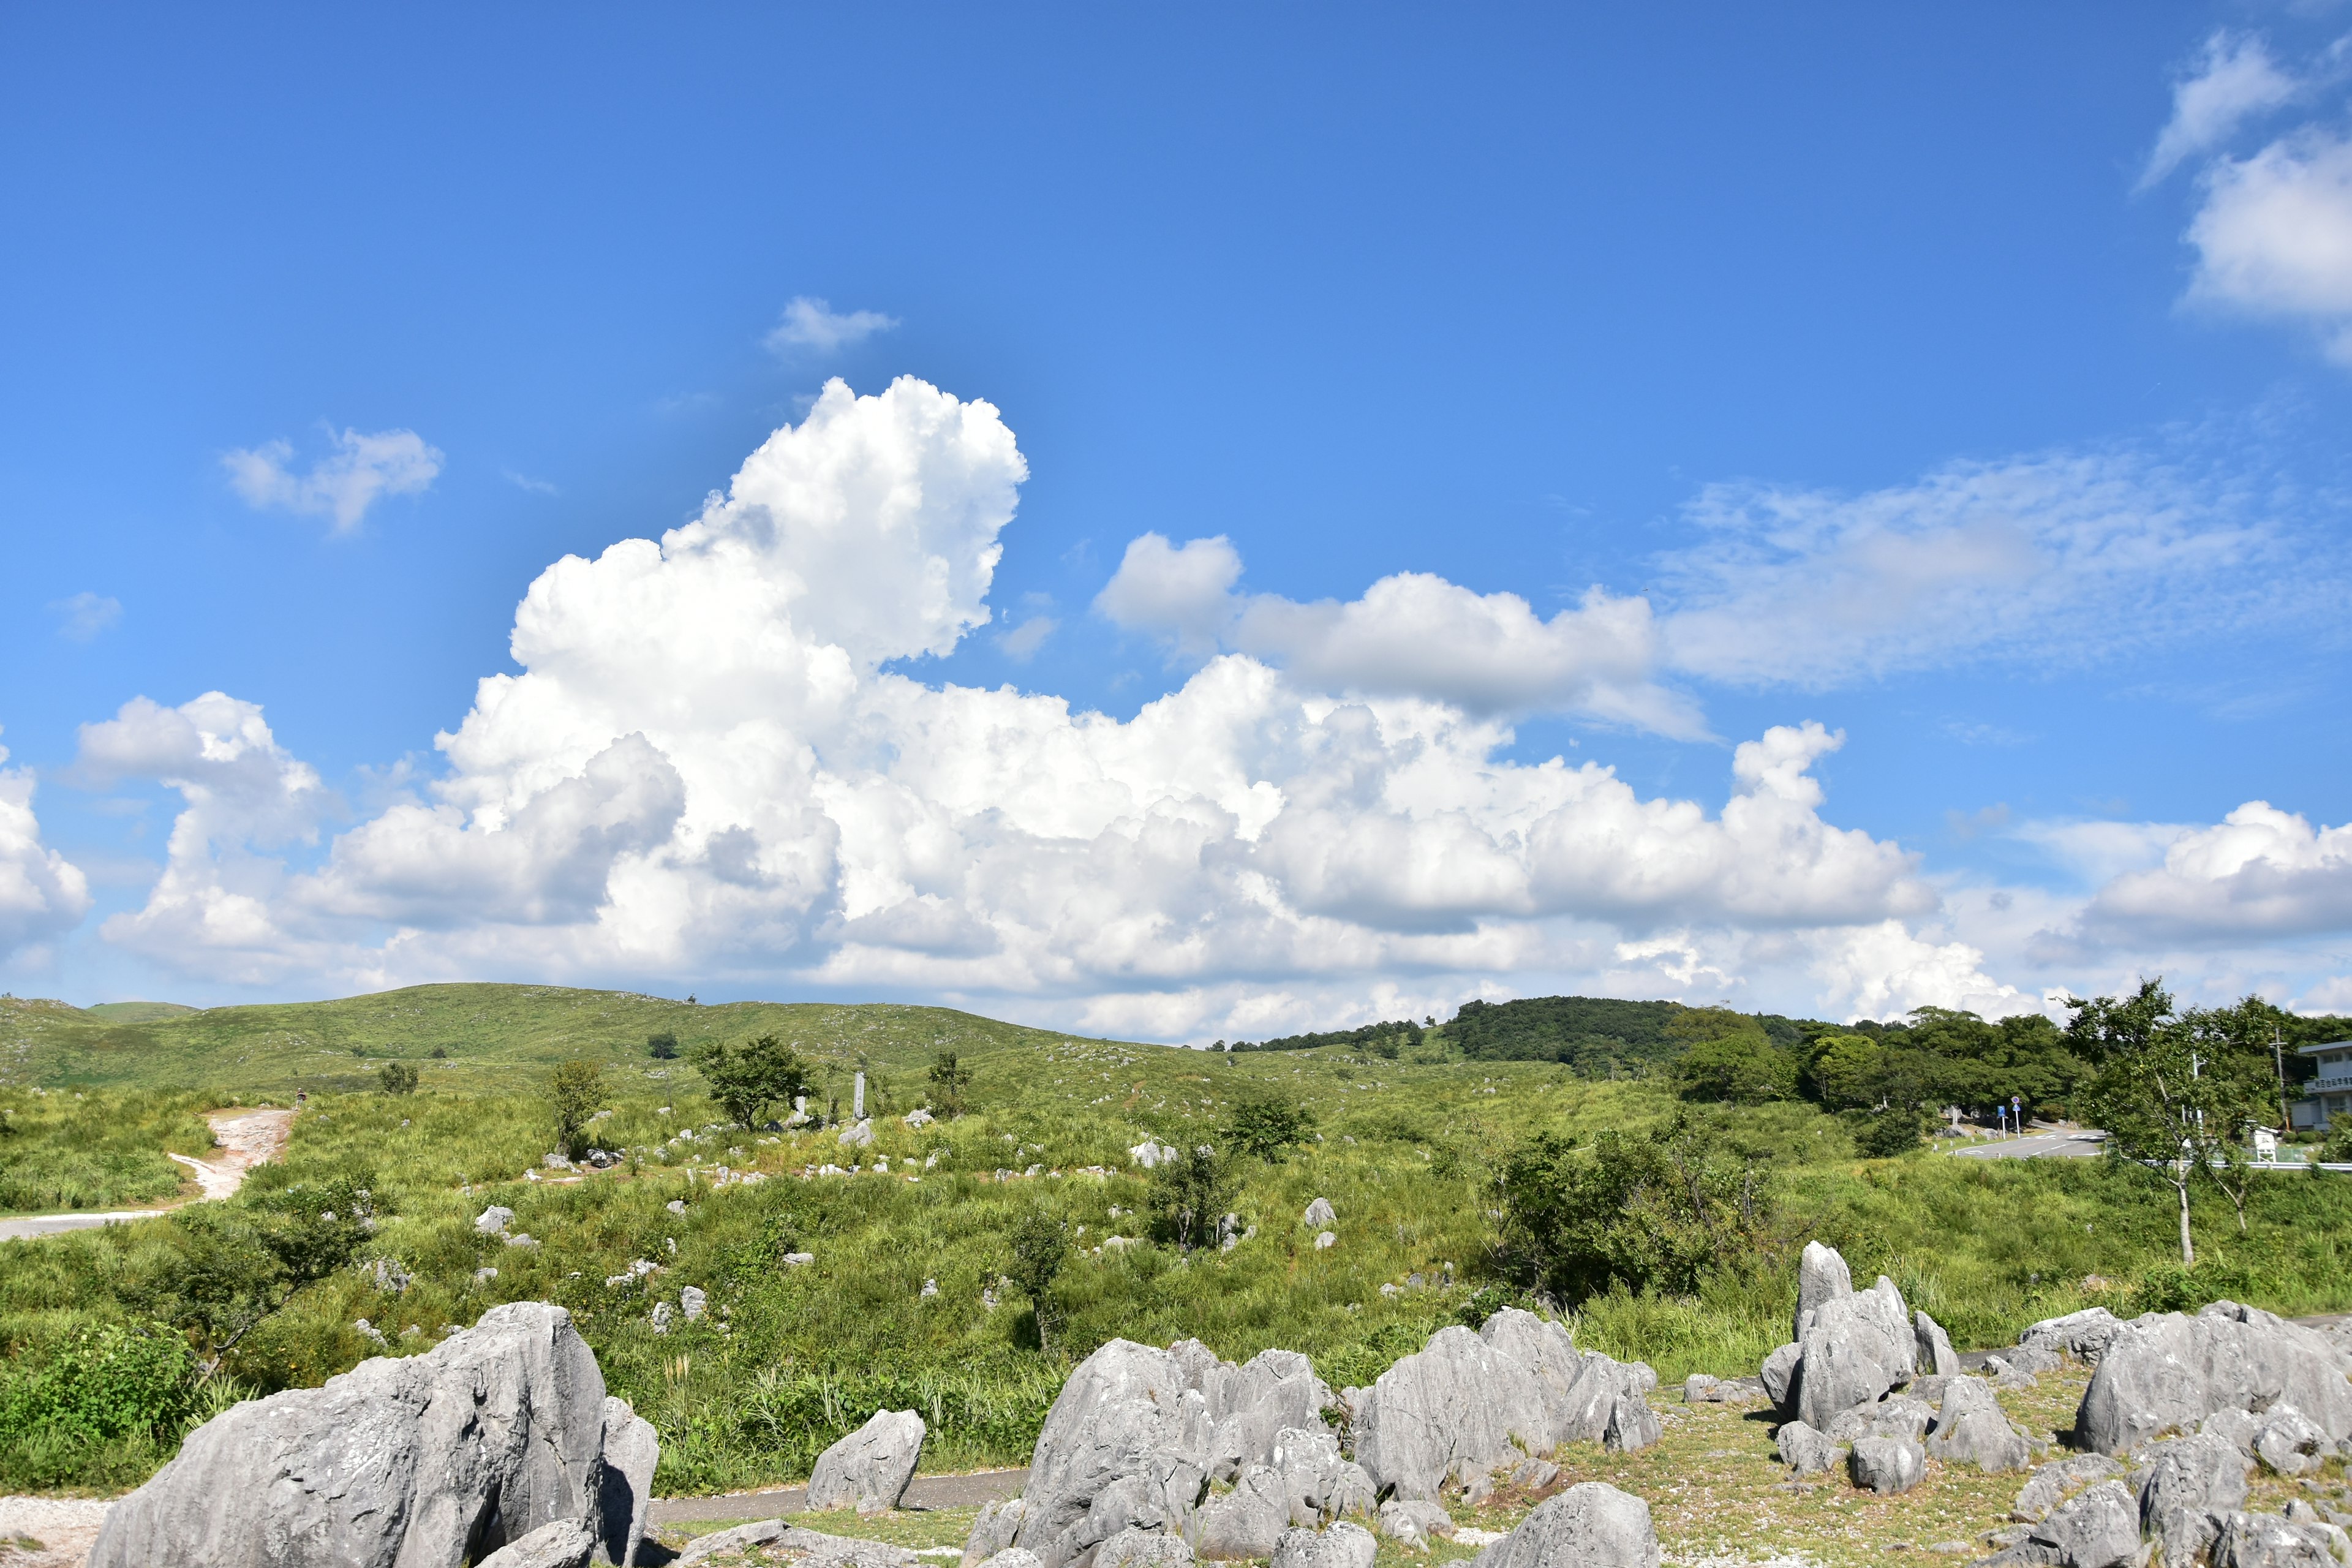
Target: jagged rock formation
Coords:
[[2165, 1371], [868, 1470]]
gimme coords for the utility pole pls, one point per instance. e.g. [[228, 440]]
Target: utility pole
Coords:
[[2278, 1060]]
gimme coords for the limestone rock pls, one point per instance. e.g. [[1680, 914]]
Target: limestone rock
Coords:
[[1778, 1376], [1932, 1346], [1125, 1444], [2085, 1335], [2271, 1540], [856, 1135], [992, 1532], [1416, 1524], [1854, 1348], [1822, 1277], [2164, 1371], [742, 1538], [566, 1543], [1556, 1364], [2053, 1483], [1886, 1465], [1319, 1216], [1450, 1410], [493, 1433], [1897, 1416], [1143, 1549], [1972, 1428], [2183, 1485], [1341, 1546], [631, 1450], [1011, 1557], [1317, 1485], [868, 1470], [494, 1220], [2290, 1443], [1806, 1452], [1253, 1404], [1590, 1525], [2099, 1529], [1632, 1424], [1246, 1522]]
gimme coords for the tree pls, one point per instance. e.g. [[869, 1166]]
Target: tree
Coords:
[[397, 1077], [2168, 1092], [1662, 1210], [1040, 1246], [752, 1077], [950, 1079], [662, 1045], [1846, 1070], [2234, 1043], [1268, 1127], [1743, 1068], [1188, 1197], [224, 1267], [577, 1093]]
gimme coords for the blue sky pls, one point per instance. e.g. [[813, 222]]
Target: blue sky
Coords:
[[1970, 386]]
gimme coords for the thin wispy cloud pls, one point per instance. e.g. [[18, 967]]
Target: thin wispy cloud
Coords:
[[2235, 80], [811, 326], [344, 484], [84, 615], [536, 487]]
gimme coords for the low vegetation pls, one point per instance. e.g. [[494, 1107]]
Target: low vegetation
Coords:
[[960, 1267]]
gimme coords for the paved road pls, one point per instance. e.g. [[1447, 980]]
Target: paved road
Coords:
[[926, 1491], [245, 1139], [2060, 1145]]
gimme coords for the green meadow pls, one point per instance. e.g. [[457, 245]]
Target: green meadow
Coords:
[[118, 1338]]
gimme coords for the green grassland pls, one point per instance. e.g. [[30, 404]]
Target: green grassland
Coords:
[[789, 1358]]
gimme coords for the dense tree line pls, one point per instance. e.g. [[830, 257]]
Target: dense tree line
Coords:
[[1388, 1039]]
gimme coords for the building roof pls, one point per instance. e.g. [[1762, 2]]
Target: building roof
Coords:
[[2330, 1046]]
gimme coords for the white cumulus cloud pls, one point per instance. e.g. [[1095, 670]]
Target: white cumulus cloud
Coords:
[[712, 765], [812, 325], [2274, 236], [42, 894], [361, 469], [2259, 872]]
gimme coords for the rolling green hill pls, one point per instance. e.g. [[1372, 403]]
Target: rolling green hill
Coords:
[[460, 1036], [139, 1012]]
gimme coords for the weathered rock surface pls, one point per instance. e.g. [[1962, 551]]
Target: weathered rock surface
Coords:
[[2184, 1485], [2053, 1483], [1897, 1416], [868, 1470], [490, 1435], [1143, 1549], [1341, 1546], [1822, 1277], [1931, 1346], [1319, 1216], [1886, 1465], [1416, 1524], [631, 1450], [566, 1543], [1011, 1557], [1973, 1429], [2085, 1335], [992, 1532], [1246, 1522], [1591, 1525], [1633, 1424], [2290, 1443], [1779, 1375], [1804, 1450], [2100, 1529], [1317, 1485], [2273, 1541], [1854, 1348], [2165, 1371]]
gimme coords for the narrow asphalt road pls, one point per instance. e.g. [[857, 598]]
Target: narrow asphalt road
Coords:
[[2061, 1144], [245, 1139]]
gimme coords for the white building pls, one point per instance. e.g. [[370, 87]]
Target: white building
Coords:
[[2329, 1094]]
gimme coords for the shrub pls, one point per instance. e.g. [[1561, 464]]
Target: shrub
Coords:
[[949, 1081], [752, 1077], [1188, 1197], [397, 1077], [1268, 1127], [577, 1091], [662, 1045], [1039, 1249], [1888, 1134]]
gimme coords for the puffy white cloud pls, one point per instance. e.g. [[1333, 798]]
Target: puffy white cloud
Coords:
[[2063, 558], [2275, 235], [42, 894], [84, 615], [812, 325], [2259, 872], [1884, 970], [710, 767], [2235, 79], [361, 469], [1413, 635]]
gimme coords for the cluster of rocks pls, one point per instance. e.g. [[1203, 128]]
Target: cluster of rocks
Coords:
[[1164, 1456], [499, 1446], [2179, 1410]]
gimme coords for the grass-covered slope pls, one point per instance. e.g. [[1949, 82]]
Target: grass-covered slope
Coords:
[[487, 1035]]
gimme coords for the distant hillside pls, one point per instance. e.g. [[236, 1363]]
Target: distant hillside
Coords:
[[460, 1035], [138, 1012]]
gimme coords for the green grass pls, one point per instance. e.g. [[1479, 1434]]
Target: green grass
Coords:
[[792, 1358], [62, 1151]]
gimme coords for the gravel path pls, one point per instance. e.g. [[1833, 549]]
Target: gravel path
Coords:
[[924, 1492]]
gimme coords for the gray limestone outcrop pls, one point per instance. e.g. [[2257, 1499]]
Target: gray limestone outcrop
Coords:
[[2054, 1482], [1143, 1549], [1886, 1465], [2099, 1529], [2273, 1540], [2165, 1371], [868, 1469], [566, 1543], [1972, 1428], [2184, 1487], [1822, 1277], [422, 1461], [1590, 1525], [1932, 1347], [1341, 1546], [1804, 1450]]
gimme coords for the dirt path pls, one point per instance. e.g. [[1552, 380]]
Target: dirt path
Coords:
[[245, 1139]]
